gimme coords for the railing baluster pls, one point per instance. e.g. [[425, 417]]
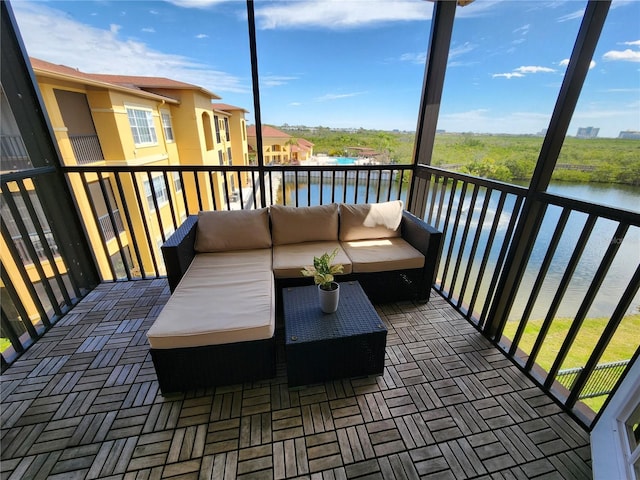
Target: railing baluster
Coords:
[[9, 331], [31, 249], [562, 288], [127, 215], [145, 223], [46, 247], [465, 232], [94, 212], [476, 239], [172, 208], [443, 193], [116, 234], [590, 295], [501, 258], [542, 275], [487, 250], [13, 293], [450, 238]]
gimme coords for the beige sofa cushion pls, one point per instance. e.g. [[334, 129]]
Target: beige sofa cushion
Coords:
[[221, 231], [370, 220], [288, 260], [382, 255], [235, 304], [304, 224]]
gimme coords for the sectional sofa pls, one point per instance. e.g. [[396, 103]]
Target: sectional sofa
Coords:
[[226, 270]]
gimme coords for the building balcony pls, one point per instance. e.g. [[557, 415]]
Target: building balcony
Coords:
[[456, 400]]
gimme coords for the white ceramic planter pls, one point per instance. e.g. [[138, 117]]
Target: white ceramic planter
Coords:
[[329, 298]]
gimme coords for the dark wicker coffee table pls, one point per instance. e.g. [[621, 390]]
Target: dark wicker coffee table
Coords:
[[320, 347]]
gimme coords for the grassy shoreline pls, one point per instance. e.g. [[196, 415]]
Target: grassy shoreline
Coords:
[[622, 346]]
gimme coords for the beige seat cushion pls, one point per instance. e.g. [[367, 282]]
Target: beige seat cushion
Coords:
[[222, 231], [288, 260], [370, 220], [382, 255], [223, 298], [304, 224]]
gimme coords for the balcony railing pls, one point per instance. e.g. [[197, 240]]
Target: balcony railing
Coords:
[[107, 226], [478, 218], [35, 244], [13, 154], [86, 148]]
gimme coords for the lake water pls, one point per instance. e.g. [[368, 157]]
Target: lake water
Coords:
[[620, 272]]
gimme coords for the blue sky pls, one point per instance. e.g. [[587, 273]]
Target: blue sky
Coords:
[[356, 63]]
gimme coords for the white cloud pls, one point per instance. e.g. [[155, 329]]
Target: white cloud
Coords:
[[113, 28], [275, 80], [523, 71], [523, 30], [52, 35], [149, 30], [634, 43], [484, 120], [507, 75], [565, 62], [627, 55], [338, 14], [418, 58], [195, 3], [534, 69], [337, 96], [577, 15], [202, 35], [295, 104], [459, 50]]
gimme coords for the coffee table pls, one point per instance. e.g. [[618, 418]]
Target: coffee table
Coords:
[[321, 347]]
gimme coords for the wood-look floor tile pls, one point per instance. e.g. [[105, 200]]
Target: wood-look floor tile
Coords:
[[84, 403]]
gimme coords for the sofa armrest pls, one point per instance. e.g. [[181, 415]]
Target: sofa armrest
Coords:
[[424, 238], [178, 251]]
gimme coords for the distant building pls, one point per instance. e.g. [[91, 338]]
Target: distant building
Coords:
[[587, 132], [630, 134], [278, 146]]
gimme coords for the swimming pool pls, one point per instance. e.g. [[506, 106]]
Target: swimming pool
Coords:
[[345, 160]]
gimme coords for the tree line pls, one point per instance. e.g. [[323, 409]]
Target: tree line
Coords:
[[499, 157]]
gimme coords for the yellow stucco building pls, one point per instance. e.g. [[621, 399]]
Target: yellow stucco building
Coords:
[[119, 121]]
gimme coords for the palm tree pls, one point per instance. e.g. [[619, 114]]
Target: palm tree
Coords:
[[290, 143]]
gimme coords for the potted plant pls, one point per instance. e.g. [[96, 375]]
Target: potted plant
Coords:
[[323, 275]]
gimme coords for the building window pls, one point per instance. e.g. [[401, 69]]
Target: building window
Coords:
[[217, 122], [229, 155], [166, 126], [160, 190], [206, 126], [177, 184], [142, 127], [632, 432], [220, 157], [244, 130], [226, 128]]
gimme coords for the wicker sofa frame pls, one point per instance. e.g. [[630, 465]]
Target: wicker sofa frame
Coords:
[[182, 369]]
